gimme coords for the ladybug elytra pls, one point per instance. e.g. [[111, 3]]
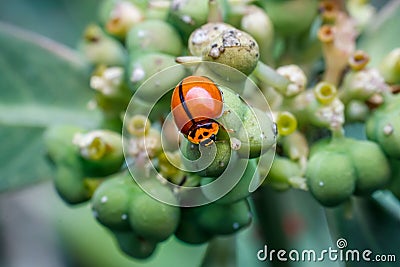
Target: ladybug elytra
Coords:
[[196, 102]]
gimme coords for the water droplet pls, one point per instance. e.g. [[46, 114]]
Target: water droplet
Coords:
[[235, 225], [124, 216], [321, 183], [104, 199]]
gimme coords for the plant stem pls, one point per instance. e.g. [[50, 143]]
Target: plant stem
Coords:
[[269, 76]]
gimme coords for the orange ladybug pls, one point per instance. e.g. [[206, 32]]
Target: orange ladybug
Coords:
[[196, 102]]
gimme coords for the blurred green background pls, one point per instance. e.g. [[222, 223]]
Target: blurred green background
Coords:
[[44, 82]]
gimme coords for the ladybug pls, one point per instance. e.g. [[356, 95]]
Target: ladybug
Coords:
[[196, 102]]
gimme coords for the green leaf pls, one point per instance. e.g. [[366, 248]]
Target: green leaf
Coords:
[[383, 33], [42, 83], [68, 18]]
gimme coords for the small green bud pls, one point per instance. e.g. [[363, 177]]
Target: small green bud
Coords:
[[331, 177], [120, 16], [240, 190], [257, 23], [282, 15], [59, 145], [384, 128], [224, 219], [394, 185], [362, 85], [110, 202], [234, 48], [188, 230], [371, 166], [143, 67], [188, 15], [101, 151], [99, 48], [68, 182], [133, 245], [282, 170], [356, 111], [295, 146], [112, 92], [296, 77], [217, 166], [202, 37], [390, 67], [257, 134], [151, 218], [154, 36]]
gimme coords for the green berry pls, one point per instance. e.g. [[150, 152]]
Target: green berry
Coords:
[[154, 36], [202, 37], [188, 15], [394, 185], [284, 19], [134, 245], [257, 134], [151, 218], [110, 202], [331, 177], [68, 181], [241, 189], [281, 171], [99, 48], [59, 144], [224, 219], [371, 166], [234, 48], [119, 16], [188, 229], [101, 152], [197, 155], [390, 67], [143, 67]]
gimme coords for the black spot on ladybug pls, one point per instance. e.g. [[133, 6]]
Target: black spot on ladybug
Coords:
[[192, 134]]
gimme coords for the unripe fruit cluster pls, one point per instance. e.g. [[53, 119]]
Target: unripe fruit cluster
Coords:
[[131, 48], [342, 167]]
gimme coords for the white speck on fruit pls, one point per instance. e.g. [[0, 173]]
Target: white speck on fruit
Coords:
[[321, 183], [124, 216], [235, 143], [388, 129], [187, 19], [104, 199], [138, 74]]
